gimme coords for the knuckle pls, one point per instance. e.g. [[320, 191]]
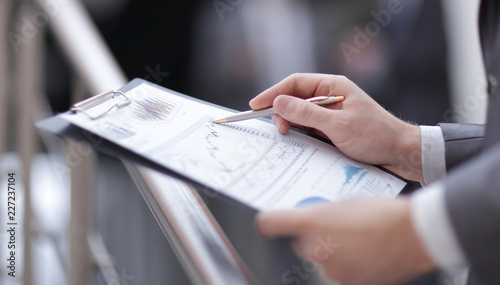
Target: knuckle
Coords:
[[347, 120], [289, 78], [294, 77], [304, 111], [342, 78]]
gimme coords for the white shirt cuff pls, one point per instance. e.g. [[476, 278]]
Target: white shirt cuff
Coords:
[[433, 226], [433, 155]]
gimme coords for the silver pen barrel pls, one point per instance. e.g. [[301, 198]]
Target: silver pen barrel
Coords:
[[246, 115]]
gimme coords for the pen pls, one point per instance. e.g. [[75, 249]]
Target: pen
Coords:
[[319, 100]]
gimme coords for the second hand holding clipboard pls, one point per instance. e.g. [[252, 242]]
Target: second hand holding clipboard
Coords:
[[319, 100]]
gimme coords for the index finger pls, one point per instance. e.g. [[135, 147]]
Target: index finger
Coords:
[[282, 223], [304, 85]]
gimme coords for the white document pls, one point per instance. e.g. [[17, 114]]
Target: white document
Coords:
[[248, 161]]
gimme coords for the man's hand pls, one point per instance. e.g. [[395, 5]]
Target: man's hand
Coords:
[[359, 127], [361, 241]]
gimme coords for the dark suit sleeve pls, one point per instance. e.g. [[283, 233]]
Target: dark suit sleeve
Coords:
[[462, 141], [473, 202]]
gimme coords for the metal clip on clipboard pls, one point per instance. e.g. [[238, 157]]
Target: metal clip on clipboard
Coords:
[[85, 105]]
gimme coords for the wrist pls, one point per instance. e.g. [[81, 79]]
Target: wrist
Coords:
[[406, 153], [418, 260]]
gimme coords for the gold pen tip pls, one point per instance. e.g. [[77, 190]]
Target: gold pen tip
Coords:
[[339, 99], [220, 121]]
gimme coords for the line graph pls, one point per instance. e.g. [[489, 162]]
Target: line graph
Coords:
[[231, 157]]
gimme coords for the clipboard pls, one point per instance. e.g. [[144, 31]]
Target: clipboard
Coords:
[[211, 244], [58, 126], [110, 101], [118, 97]]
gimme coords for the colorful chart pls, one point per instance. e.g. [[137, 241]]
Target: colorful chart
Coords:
[[312, 201], [152, 109]]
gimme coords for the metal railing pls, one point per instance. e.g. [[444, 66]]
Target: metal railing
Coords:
[[98, 71]]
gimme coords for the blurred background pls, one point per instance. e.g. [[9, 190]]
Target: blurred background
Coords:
[[419, 59]]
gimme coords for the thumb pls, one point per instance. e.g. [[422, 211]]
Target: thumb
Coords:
[[302, 112]]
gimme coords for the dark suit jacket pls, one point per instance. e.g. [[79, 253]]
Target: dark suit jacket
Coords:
[[473, 160]]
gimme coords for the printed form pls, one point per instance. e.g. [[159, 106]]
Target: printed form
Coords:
[[248, 161]]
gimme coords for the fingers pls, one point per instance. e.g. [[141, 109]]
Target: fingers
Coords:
[[295, 84], [282, 223], [282, 125], [304, 113], [303, 85], [304, 247]]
